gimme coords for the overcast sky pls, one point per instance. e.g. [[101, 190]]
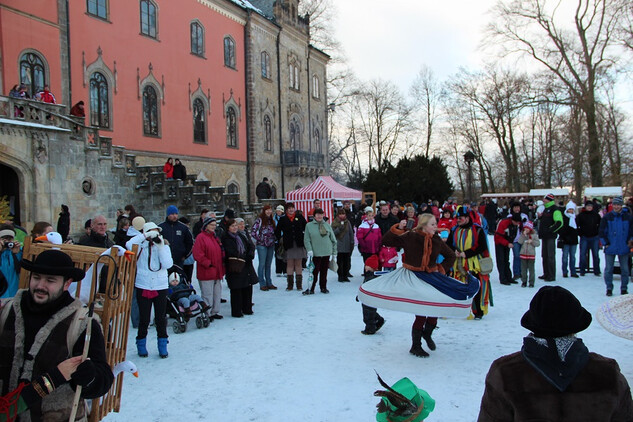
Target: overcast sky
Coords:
[[393, 39]]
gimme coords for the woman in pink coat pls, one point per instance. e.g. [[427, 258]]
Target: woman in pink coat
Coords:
[[369, 235], [207, 251]]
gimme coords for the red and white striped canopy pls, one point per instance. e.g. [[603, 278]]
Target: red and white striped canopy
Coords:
[[327, 190]]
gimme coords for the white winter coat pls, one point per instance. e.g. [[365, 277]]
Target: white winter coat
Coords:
[[151, 274]]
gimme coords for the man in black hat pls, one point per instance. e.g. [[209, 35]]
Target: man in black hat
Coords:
[[554, 376], [42, 327]]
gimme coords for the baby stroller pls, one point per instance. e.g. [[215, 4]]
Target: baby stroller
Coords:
[[176, 311]]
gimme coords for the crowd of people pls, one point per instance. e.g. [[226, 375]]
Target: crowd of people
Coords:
[[444, 249]]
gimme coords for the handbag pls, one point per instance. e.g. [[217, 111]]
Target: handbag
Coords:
[[280, 251], [333, 265], [235, 264], [485, 265]]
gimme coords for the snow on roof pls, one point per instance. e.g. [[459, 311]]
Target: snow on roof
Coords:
[[247, 5]]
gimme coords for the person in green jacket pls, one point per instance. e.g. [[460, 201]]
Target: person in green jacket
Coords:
[[320, 243]]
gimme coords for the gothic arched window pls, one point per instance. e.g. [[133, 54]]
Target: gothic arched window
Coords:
[[199, 122], [99, 101], [150, 111], [32, 72], [231, 127]]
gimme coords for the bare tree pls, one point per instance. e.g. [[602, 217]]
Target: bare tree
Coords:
[[381, 118], [426, 92], [498, 97], [579, 53]]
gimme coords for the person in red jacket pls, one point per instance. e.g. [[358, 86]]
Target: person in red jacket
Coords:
[[168, 168], [447, 221], [207, 251], [506, 232]]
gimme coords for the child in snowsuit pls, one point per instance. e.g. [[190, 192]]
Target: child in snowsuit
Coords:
[[178, 289], [388, 257], [373, 321], [528, 241]]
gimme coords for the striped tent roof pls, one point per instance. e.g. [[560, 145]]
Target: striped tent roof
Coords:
[[324, 188]]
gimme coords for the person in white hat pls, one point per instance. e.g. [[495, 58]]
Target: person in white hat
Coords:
[[152, 283]]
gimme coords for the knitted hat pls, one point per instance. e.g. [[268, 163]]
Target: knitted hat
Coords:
[[617, 200], [172, 209], [54, 262], [373, 262], [368, 209], [280, 208], [555, 312], [229, 213], [206, 222], [138, 223], [528, 225], [548, 197], [616, 316]]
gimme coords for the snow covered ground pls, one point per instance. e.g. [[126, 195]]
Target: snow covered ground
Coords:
[[303, 358]]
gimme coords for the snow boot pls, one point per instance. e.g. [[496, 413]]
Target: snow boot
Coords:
[[205, 307], [426, 335], [290, 280], [299, 282], [162, 347], [141, 347], [416, 347], [188, 313]]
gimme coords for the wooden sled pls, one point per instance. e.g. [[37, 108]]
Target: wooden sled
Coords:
[[112, 307]]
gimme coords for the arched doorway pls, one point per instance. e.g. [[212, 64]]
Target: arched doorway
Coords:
[[10, 188]]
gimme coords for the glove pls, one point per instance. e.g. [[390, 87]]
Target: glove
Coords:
[[310, 254], [333, 256], [393, 260], [85, 373]]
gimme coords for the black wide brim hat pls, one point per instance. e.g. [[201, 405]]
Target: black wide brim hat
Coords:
[[555, 312], [54, 262]]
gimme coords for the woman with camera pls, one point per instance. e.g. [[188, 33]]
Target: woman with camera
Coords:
[[154, 259]]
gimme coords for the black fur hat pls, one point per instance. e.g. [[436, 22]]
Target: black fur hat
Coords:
[[555, 312]]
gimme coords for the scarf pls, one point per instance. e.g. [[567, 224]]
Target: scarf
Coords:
[[322, 229], [465, 238], [370, 222], [559, 359], [238, 241], [291, 217], [572, 217]]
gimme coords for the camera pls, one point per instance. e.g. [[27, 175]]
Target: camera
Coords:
[[410, 224], [157, 239], [8, 245]]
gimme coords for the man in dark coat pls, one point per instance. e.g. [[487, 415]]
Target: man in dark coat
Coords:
[[36, 336], [554, 377], [588, 222], [180, 171], [385, 219], [63, 223], [263, 190], [197, 228], [98, 237], [178, 235]]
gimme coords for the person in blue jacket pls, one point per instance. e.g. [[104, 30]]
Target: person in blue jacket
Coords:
[[10, 256], [616, 234]]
